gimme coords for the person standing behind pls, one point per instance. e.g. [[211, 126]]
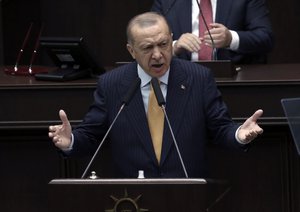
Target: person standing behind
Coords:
[[241, 29]]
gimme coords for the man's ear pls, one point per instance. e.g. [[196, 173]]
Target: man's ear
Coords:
[[130, 50]]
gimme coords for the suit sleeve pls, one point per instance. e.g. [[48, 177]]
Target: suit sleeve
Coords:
[[257, 37], [219, 123], [94, 125]]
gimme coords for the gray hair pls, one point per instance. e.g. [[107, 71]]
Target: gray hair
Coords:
[[144, 20]]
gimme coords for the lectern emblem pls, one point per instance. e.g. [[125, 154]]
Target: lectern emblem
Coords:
[[126, 204]]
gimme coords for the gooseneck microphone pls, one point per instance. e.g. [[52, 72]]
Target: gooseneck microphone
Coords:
[[157, 91], [134, 86], [36, 46], [161, 102], [25, 41], [214, 55]]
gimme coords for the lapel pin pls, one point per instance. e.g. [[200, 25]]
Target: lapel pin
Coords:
[[182, 87]]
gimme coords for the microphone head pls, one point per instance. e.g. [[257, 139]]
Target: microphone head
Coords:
[[156, 87], [134, 86]]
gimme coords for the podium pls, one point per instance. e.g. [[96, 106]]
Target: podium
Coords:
[[136, 195], [220, 68]]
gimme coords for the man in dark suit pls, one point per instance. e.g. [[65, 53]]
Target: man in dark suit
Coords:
[[241, 29], [193, 104]]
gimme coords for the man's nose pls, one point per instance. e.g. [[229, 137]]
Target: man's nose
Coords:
[[156, 53]]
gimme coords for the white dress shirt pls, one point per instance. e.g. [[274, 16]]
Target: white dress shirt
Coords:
[[145, 85]]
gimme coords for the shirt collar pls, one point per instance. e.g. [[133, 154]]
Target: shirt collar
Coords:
[[146, 78]]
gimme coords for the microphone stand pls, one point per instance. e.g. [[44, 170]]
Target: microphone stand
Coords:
[[22, 70], [37, 42], [22, 47], [175, 142], [136, 84], [101, 143]]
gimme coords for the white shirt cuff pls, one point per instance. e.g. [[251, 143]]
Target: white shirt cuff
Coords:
[[66, 150], [235, 42], [237, 138]]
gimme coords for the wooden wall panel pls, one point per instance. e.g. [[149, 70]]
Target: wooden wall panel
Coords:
[[1, 36], [28, 162]]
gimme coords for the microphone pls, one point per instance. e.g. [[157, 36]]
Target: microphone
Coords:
[[134, 86], [22, 47], [36, 46], [214, 55], [157, 91], [161, 102], [24, 70]]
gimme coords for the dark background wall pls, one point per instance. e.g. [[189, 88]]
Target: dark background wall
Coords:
[[1, 35], [286, 26], [102, 23], [266, 179]]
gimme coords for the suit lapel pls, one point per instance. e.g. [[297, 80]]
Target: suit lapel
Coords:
[[185, 16], [179, 86], [180, 12], [167, 5], [177, 98], [135, 112], [223, 11]]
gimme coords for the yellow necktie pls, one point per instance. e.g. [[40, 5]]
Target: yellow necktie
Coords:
[[156, 123]]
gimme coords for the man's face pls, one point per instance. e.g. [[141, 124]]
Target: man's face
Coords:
[[152, 48]]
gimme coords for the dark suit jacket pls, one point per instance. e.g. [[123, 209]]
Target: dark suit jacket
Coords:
[[249, 18], [194, 107]]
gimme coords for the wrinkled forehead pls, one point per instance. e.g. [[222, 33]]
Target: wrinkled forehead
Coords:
[[150, 35]]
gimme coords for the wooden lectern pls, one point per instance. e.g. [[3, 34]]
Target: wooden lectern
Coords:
[[220, 68], [136, 195]]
